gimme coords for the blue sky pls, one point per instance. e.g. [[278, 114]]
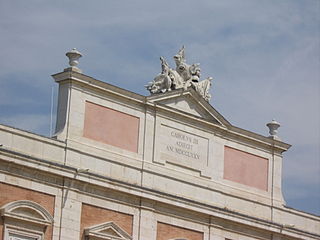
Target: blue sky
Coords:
[[263, 55]]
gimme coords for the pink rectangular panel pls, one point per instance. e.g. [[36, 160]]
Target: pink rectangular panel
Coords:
[[111, 127], [245, 168]]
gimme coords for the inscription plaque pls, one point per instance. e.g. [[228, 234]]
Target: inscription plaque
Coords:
[[183, 148]]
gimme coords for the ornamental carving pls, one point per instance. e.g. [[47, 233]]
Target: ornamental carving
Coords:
[[183, 76]]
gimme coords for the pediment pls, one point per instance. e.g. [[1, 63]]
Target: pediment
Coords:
[[27, 211], [189, 102], [107, 231]]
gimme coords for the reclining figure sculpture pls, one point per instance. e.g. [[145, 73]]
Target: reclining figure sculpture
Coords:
[[183, 76]]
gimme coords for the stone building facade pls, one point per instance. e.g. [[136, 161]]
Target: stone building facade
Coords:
[[124, 166]]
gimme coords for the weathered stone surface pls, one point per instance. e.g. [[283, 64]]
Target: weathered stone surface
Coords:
[[173, 185]]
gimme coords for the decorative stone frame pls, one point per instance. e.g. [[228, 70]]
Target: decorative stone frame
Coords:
[[106, 231], [26, 219]]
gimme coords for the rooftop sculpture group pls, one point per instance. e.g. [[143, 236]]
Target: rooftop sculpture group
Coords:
[[183, 76]]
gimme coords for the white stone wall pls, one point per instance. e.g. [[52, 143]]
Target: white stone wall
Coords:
[[153, 184]]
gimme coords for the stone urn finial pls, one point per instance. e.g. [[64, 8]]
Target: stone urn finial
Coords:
[[273, 129], [73, 56]]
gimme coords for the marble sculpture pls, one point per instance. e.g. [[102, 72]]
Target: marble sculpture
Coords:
[[183, 76]]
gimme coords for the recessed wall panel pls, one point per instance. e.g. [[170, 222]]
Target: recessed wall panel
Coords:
[[111, 127], [245, 168], [167, 231]]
